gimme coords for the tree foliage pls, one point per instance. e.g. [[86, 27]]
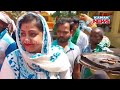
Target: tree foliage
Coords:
[[64, 14], [14, 14]]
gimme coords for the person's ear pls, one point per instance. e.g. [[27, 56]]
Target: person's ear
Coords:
[[71, 32]]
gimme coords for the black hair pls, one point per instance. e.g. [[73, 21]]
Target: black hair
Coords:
[[71, 25], [62, 21], [74, 20], [29, 18]]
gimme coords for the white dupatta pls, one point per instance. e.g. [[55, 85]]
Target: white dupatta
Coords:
[[51, 58]]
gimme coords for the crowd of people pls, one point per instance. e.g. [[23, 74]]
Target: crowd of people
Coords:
[[27, 50]]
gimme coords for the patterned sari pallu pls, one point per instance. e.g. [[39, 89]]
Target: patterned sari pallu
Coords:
[[45, 65]]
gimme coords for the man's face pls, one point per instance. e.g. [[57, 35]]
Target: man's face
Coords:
[[95, 37], [63, 33], [75, 28]]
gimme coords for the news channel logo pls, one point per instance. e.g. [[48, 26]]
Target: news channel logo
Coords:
[[101, 19]]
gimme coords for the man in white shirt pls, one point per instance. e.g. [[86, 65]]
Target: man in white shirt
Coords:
[[78, 37]]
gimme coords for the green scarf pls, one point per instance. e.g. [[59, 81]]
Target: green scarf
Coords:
[[99, 48], [86, 73], [75, 36]]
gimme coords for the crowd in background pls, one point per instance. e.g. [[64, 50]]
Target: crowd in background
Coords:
[[29, 51]]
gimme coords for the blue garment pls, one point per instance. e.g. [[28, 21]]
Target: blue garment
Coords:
[[0, 66], [47, 64], [9, 41], [87, 49], [22, 70], [11, 47], [83, 26], [97, 49], [7, 45]]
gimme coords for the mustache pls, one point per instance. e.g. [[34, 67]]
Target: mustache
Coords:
[[63, 40], [61, 37]]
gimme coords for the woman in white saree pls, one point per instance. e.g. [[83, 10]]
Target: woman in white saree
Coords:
[[35, 58]]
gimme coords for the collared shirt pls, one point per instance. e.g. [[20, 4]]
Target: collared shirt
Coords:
[[82, 41], [98, 49], [73, 53]]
